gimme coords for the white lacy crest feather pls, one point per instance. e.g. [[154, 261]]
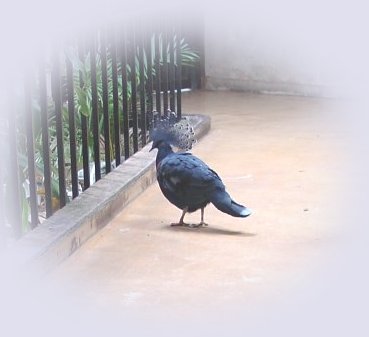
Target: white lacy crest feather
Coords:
[[178, 133]]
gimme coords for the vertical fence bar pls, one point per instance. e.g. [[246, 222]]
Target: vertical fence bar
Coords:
[[30, 152], [105, 100], [114, 75], [179, 71], [125, 95], [45, 139], [72, 128], [95, 111], [171, 71], [141, 60], [157, 72], [84, 128], [164, 79], [149, 84], [132, 64], [59, 129], [14, 211]]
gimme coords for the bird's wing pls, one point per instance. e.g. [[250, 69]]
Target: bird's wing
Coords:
[[187, 177]]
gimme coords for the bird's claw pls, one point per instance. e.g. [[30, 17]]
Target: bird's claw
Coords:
[[201, 224], [177, 224], [189, 225]]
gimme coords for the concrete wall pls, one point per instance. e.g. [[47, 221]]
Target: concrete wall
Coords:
[[286, 49]]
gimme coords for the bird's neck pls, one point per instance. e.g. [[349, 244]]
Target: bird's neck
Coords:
[[163, 151]]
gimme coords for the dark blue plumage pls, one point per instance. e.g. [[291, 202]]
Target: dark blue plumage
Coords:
[[188, 183]]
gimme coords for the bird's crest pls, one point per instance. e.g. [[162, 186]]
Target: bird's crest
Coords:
[[168, 128]]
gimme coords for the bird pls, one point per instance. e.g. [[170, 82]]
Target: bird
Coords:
[[184, 179]]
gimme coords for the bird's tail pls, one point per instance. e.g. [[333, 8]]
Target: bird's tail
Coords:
[[222, 200]]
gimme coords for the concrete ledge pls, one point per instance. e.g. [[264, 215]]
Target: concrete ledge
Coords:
[[64, 232]]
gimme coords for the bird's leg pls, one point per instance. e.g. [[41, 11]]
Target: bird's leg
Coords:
[[203, 223], [181, 222]]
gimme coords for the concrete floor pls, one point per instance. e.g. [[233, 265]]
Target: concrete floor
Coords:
[[279, 156]]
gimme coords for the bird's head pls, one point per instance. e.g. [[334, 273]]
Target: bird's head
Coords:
[[160, 144]]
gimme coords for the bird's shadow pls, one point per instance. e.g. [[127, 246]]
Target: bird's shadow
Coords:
[[207, 230]]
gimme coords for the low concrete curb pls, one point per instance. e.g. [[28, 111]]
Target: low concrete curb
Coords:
[[69, 228]]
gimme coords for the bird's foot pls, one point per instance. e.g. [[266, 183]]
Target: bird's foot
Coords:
[[177, 224], [198, 225], [189, 225]]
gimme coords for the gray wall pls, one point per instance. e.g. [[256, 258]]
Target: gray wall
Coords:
[[276, 51]]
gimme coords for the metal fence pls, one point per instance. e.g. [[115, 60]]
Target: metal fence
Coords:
[[82, 111]]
